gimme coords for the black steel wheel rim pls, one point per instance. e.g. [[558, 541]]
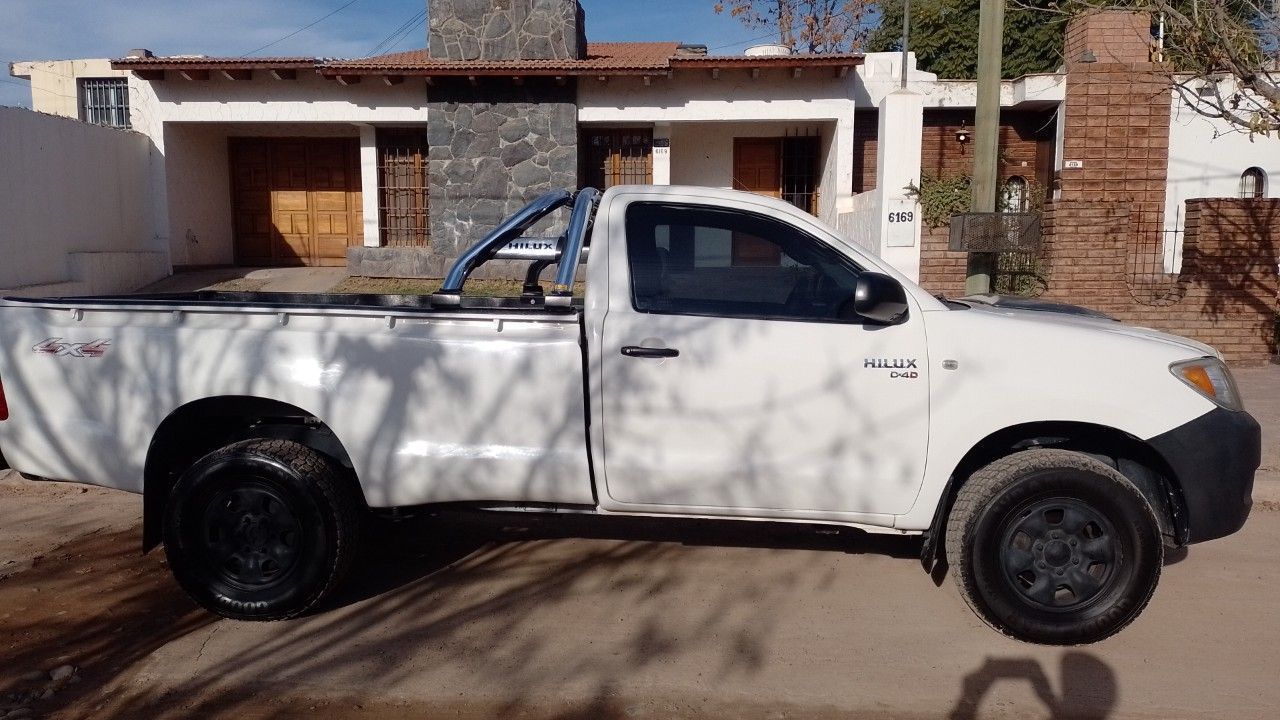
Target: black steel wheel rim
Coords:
[[1059, 554], [251, 534]]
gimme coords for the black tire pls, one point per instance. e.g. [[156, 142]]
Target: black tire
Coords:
[[261, 529], [1054, 547]]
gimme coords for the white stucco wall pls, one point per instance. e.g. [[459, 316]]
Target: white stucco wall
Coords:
[[702, 154], [1206, 158], [704, 115], [76, 206], [189, 123], [54, 83], [881, 74]]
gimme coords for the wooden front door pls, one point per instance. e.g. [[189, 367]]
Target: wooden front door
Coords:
[[757, 165], [757, 168], [296, 201]]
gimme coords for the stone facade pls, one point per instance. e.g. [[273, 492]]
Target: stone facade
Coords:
[[493, 144], [492, 149], [507, 30]]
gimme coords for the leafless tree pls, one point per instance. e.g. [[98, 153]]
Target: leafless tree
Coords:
[[815, 26], [1220, 56]]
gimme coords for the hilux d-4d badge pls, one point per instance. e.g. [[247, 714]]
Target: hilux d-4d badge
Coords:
[[899, 367]]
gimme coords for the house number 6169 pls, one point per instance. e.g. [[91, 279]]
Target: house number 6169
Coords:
[[904, 216]]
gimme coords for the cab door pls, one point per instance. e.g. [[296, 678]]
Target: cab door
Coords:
[[752, 388]]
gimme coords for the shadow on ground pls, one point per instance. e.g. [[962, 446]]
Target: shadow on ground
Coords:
[[99, 605]]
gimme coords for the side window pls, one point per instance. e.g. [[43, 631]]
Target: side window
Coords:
[[695, 260]]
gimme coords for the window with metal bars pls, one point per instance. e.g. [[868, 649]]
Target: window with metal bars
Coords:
[[105, 101], [800, 172], [1253, 183], [402, 187]]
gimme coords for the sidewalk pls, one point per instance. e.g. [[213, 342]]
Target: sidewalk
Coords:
[[246, 279]]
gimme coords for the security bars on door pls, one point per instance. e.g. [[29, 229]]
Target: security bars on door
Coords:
[[402, 188]]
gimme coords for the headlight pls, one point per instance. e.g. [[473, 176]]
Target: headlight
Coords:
[[1211, 378]]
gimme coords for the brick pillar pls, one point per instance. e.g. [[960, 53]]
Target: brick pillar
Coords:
[[1116, 115]]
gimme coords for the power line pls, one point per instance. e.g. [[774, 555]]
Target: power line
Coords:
[[400, 33], [302, 29], [32, 86]]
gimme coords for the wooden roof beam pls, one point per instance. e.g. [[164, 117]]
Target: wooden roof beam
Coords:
[[194, 75], [237, 74], [392, 79], [283, 74], [345, 80]]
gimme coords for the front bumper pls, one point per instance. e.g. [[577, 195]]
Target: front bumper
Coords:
[[1213, 459]]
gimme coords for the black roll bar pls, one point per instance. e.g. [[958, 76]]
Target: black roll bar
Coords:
[[507, 241]]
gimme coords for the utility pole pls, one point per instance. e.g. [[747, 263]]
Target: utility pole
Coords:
[[981, 266], [906, 36]]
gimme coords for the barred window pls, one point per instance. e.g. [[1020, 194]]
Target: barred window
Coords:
[[105, 101], [1253, 183]]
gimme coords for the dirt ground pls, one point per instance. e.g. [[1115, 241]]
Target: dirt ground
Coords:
[[524, 618]]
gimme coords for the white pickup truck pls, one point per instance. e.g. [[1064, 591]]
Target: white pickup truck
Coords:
[[733, 357]]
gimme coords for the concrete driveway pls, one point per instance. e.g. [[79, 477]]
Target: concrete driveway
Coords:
[[522, 618]]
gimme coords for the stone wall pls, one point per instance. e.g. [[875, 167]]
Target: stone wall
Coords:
[[507, 30], [492, 149], [494, 144]]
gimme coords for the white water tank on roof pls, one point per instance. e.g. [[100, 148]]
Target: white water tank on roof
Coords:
[[770, 49]]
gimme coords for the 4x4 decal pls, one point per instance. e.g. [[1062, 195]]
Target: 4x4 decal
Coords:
[[61, 348]]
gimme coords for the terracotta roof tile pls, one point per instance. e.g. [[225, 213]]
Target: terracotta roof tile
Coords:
[[201, 62], [798, 60], [620, 57], [604, 58]]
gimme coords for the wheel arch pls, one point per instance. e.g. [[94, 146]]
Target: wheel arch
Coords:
[[202, 426], [1130, 455]]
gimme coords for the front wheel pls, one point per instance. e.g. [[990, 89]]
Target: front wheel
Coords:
[[1054, 547], [261, 529]]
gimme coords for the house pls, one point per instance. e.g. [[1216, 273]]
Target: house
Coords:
[[392, 164]]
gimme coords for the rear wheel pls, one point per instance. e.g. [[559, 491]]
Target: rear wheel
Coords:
[[1055, 547], [261, 529]]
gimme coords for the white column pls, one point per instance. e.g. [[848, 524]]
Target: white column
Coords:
[[369, 184], [837, 177], [897, 168], [662, 154]]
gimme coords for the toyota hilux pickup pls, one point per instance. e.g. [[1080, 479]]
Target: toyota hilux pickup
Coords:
[[731, 357]]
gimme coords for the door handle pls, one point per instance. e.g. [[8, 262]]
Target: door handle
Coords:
[[648, 352]]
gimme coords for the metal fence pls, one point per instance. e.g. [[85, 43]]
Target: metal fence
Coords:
[[1152, 251]]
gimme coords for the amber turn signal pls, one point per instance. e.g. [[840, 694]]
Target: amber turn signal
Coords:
[[1199, 377]]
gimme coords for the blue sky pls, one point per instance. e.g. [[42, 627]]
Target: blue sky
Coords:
[[59, 29]]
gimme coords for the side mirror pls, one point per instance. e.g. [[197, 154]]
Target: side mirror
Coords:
[[880, 299]]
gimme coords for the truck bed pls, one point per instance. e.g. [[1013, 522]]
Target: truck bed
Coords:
[[479, 402]]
